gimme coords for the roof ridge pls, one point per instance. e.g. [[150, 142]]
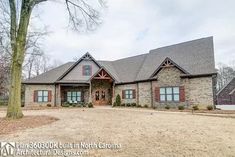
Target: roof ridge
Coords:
[[180, 43], [130, 57]]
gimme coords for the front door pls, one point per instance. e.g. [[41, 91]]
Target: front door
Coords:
[[101, 97]]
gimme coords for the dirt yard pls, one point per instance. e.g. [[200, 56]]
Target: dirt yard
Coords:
[[140, 132]]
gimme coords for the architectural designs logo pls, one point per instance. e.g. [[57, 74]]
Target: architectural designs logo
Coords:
[[7, 148]]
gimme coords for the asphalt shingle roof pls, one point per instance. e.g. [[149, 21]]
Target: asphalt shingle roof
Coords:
[[196, 57]]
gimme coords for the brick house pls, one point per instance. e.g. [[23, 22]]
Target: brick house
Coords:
[[226, 95], [178, 74]]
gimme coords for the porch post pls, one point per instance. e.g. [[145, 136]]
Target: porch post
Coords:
[[59, 95], [90, 94], [113, 93]]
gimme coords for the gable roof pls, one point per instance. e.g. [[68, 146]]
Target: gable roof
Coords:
[[231, 82], [50, 76], [193, 58], [174, 64]]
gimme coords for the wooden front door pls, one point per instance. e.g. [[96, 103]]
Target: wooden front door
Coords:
[[101, 97]]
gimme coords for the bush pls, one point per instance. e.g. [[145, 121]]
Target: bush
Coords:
[[195, 107], [181, 107], [118, 100], [90, 105], [209, 107], [128, 105], [48, 105], [146, 106], [133, 104], [139, 105], [114, 104], [123, 104], [154, 107], [167, 107], [65, 104]]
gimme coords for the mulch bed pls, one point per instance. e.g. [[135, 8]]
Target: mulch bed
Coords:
[[8, 126]]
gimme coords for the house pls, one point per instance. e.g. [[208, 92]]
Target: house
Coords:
[[181, 74], [226, 95]]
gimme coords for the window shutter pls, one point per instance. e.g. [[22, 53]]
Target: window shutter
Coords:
[[134, 93], [123, 94], [157, 94], [182, 94], [49, 96], [35, 96], [82, 96]]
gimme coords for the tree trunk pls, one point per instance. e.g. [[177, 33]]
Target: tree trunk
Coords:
[[18, 40], [14, 105]]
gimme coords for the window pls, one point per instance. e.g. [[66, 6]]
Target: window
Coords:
[[129, 94], [42, 96], [103, 95], [74, 96], [169, 94], [97, 95], [86, 70]]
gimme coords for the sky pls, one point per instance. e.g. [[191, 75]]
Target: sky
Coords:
[[133, 27]]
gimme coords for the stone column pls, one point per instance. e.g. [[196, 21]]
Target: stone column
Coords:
[[90, 93]]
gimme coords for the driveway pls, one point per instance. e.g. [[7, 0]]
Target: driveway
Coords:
[[136, 132]]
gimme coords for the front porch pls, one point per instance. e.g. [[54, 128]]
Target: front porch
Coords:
[[99, 90]]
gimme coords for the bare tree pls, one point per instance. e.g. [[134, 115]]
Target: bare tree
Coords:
[[81, 14], [225, 74]]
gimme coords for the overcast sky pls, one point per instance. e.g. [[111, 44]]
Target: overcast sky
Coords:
[[132, 27]]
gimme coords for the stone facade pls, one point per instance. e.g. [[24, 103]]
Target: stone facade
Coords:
[[120, 88], [198, 91], [29, 94], [144, 94], [101, 86]]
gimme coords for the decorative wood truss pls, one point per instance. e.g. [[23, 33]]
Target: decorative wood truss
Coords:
[[102, 75], [87, 56], [167, 63]]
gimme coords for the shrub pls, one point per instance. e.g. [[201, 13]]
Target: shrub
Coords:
[[65, 104], [114, 104], [195, 107], [128, 105], [167, 107], [209, 107], [48, 105], [133, 104], [118, 100], [139, 105], [90, 105], [146, 106], [154, 107], [123, 104], [181, 107]]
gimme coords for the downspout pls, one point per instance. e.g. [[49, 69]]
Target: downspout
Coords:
[[55, 97]]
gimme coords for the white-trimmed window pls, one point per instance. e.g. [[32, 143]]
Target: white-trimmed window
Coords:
[[42, 96], [169, 94], [129, 94], [74, 96]]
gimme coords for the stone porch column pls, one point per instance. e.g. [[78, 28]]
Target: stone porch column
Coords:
[[90, 93]]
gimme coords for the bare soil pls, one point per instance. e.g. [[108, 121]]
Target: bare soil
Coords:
[[141, 132]]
